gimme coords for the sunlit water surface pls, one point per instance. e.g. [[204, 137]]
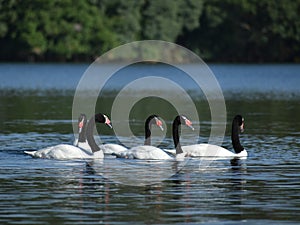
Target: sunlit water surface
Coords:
[[36, 109]]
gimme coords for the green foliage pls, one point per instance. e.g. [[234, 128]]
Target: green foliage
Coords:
[[123, 18], [56, 29], [217, 30], [166, 20], [248, 31]]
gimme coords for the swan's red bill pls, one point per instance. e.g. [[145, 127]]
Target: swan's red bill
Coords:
[[242, 127], [159, 124], [107, 121], [189, 123], [80, 125]]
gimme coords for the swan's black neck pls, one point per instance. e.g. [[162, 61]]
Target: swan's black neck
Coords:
[[90, 131], [148, 124], [82, 134], [236, 123], [175, 131]]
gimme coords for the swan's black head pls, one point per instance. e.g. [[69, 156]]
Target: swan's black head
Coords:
[[151, 120], [240, 122], [154, 120], [82, 120], [101, 118]]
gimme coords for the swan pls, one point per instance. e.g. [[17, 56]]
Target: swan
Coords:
[[81, 142], [209, 150], [180, 119], [66, 151], [115, 149], [147, 152]]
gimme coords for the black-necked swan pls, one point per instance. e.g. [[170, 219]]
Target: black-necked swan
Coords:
[[80, 142], [180, 119], [147, 152], [209, 150], [65, 151]]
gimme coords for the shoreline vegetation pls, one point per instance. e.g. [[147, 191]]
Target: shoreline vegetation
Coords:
[[219, 31]]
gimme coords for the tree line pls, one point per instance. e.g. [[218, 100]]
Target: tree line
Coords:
[[216, 30]]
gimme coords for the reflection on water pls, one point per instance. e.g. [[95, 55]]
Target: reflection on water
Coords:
[[138, 172], [264, 188]]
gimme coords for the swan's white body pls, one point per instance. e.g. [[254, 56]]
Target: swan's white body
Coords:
[[145, 152], [209, 150], [64, 151], [110, 149], [107, 149]]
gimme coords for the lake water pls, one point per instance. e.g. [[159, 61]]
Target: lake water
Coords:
[[36, 112]]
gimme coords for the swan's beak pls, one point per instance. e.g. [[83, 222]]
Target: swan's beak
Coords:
[[189, 124], [159, 124], [109, 124], [242, 128], [161, 128], [107, 121], [80, 126]]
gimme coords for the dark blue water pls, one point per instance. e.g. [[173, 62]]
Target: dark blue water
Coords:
[[265, 79], [36, 112]]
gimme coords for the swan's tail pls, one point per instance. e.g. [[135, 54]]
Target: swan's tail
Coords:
[[31, 153]]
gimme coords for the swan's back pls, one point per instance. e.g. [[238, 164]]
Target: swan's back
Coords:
[[112, 148], [61, 151], [207, 150], [145, 152]]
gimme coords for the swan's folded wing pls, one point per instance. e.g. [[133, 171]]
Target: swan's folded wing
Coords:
[[144, 152], [110, 149]]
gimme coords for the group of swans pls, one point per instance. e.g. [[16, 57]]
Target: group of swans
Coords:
[[148, 152], [86, 147], [210, 150]]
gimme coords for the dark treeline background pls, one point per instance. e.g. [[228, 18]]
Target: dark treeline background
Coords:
[[216, 30]]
